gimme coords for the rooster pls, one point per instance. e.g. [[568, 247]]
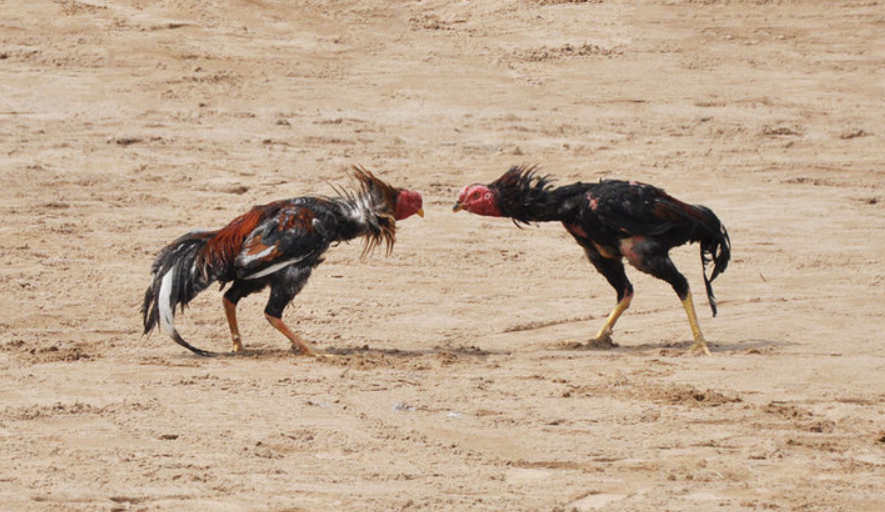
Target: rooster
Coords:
[[276, 245], [613, 220]]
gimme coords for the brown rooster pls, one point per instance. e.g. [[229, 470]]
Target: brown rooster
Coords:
[[276, 245], [613, 220]]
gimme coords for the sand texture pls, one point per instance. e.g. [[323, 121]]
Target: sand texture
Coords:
[[126, 123]]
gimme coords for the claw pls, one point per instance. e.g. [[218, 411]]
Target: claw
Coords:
[[319, 356], [700, 346]]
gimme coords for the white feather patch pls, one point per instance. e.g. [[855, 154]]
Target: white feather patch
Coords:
[[249, 258], [274, 268], [167, 311]]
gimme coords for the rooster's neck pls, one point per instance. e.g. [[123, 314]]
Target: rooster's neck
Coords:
[[367, 215]]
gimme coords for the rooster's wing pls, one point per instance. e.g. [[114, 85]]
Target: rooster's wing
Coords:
[[293, 234], [635, 208]]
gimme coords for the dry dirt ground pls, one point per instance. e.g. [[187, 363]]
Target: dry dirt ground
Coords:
[[125, 123]]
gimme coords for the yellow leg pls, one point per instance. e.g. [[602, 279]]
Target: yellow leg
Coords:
[[605, 332], [230, 311], [699, 345]]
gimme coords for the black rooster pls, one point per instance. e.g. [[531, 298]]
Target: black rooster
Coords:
[[613, 220], [275, 245]]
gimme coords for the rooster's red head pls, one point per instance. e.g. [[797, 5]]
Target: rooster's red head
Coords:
[[478, 199], [518, 189], [408, 203]]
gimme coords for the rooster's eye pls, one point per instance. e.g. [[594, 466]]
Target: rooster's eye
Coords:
[[475, 195]]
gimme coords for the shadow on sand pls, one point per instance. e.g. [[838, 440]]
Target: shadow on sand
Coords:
[[676, 348]]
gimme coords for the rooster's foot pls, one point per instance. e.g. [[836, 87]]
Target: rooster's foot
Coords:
[[602, 342], [237, 344], [319, 356], [699, 347], [303, 351], [325, 356]]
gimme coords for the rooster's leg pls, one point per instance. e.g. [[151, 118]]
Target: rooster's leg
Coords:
[[613, 269], [230, 311], [297, 343], [653, 260], [699, 345], [284, 286], [605, 332], [237, 291]]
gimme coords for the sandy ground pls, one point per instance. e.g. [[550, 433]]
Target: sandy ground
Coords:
[[125, 123]]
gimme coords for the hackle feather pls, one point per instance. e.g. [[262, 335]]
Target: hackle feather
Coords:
[[374, 201], [521, 192]]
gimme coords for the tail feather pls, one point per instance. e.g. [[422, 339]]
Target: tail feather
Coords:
[[176, 278], [715, 248]]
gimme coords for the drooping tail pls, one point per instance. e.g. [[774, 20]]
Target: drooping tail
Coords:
[[715, 248], [175, 281]]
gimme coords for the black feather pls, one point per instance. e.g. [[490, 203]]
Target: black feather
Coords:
[[602, 215]]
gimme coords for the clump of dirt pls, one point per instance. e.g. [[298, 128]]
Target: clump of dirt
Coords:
[[546, 53], [670, 394], [604, 343], [57, 409], [799, 418], [361, 359], [786, 411], [47, 354], [366, 358], [684, 394]]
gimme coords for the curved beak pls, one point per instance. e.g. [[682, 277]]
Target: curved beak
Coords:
[[458, 207], [420, 212]]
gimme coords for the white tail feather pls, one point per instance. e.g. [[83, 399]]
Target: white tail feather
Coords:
[[166, 310]]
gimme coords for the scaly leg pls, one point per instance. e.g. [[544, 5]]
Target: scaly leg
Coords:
[[605, 332], [653, 259], [612, 268], [230, 311], [699, 345], [297, 342], [237, 291]]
